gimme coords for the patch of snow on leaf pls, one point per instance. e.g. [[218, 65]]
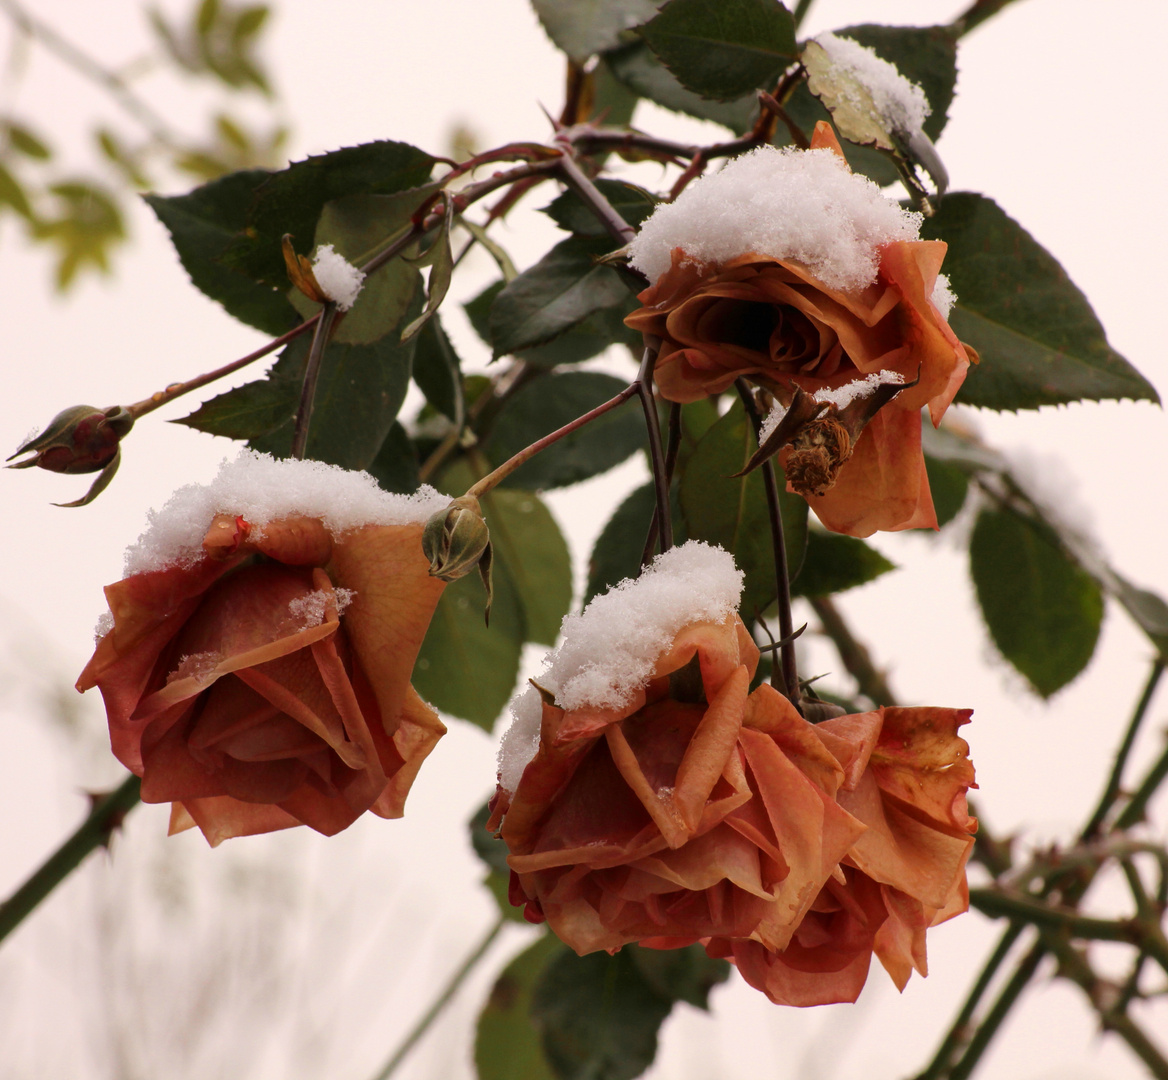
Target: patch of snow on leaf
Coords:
[[609, 650], [801, 205], [340, 280], [260, 489], [901, 104]]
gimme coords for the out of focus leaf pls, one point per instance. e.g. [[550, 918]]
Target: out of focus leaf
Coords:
[[558, 292], [12, 194], [24, 141], [493, 853], [949, 485], [88, 225], [1039, 340], [726, 49], [733, 512], [597, 1016], [834, 563], [582, 28], [507, 1045], [681, 974], [641, 71], [202, 225], [291, 201], [1042, 610], [548, 403]]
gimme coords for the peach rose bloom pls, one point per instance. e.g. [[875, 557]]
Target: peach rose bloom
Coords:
[[268, 684], [907, 776], [696, 810], [772, 321]]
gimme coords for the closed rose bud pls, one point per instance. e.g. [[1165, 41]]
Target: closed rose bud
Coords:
[[456, 541], [79, 440]]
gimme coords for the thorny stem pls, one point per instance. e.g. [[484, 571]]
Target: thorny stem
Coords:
[[1133, 812], [671, 452], [441, 1001], [619, 229], [1111, 789], [528, 452], [644, 385], [84, 64], [93, 831], [156, 401], [852, 652], [320, 338], [788, 665]]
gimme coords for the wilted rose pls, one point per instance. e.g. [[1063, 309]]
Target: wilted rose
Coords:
[[697, 810], [268, 684], [907, 776], [774, 322]]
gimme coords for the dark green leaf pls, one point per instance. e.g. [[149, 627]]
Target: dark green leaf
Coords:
[[358, 394], [558, 292], [613, 103], [949, 484], [291, 201], [1042, 610], [248, 411], [202, 225], [834, 563], [641, 71], [395, 467], [582, 28], [438, 371], [586, 339], [441, 261], [723, 50], [733, 512], [617, 552], [547, 403], [507, 1046], [568, 211], [358, 226], [681, 974], [1039, 340], [597, 1016]]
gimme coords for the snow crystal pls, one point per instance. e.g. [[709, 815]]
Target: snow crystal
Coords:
[[943, 297], [261, 489], [843, 396], [802, 205], [105, 623], [900, 103], [609, 650], [773, 419], [338, 278], [309, 610]]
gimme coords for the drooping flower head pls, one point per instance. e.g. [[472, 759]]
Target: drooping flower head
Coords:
[[256, 662], [791, 271]]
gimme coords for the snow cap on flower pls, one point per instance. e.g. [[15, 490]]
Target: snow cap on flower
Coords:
[[262, 489], [901, 103], [340, 280], [802, 205], [609, 650]]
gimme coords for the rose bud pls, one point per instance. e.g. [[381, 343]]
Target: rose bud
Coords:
[[80, 440], [786, 269], [456, 541], [256, 665]]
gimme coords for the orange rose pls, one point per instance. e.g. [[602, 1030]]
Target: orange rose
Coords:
[[266, 683], [773, 321], [907, 777], [693, 811]]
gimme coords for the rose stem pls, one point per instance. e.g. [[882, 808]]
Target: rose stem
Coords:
[[320, 338], [619, 229], [441, 1001], [790, 672], [800, 12], [156, 401], [976, 1045], [644, 385], [93, 831], [670, 461], [494, 477], [854, 654]]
